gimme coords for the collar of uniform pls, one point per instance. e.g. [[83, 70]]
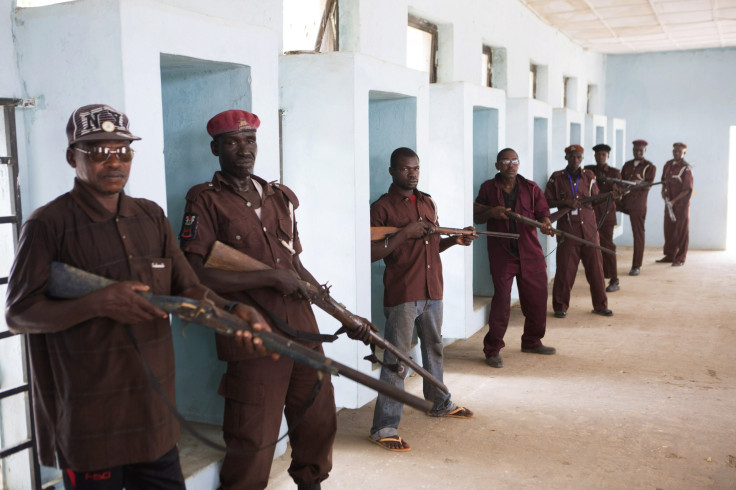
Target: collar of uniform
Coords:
[[395, 193], [92, 207], [218, 180], [520, 179]]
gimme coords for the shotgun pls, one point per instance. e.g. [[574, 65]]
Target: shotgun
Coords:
[[537, 224], [224, 257], [380, 232], [67, 282]]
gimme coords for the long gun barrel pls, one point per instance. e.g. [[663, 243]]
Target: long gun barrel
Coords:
[[67, 282], [670, 211], [537, 224], [563, 211], [381, 232], [224, 257], [638, 185]]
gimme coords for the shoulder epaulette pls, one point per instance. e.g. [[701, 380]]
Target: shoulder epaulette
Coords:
[[198, 189], [287, 192]]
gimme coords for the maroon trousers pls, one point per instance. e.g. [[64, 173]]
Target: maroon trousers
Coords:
[[533, 299], [637, 229], [677, 234], [569, 254], [256, 392], [609, 260]]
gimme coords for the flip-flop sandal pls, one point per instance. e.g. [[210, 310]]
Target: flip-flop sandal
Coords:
[[460, 413], [382, 442]]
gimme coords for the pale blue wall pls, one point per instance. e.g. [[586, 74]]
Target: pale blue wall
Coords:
[[687, 96], [392, 124], [192, 91], [485, 148]]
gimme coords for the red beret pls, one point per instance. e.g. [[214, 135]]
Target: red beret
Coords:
[[640, 143], [232, 122], [574, 148], [681, 145]]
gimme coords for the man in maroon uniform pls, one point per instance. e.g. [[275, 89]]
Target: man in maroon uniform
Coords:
[[565, 189], [635, 202], [94, 406], [605, 210], [522, 259], [257, 218], [413, 294], [677, 187]]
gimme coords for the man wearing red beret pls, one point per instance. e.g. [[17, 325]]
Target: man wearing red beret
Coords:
[[565, 189], [634, 203], [605, 210], [257, 218], [677, 180]]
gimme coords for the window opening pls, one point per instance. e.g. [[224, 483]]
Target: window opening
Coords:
[[17, 438], [311, 26], [565, 87], [532, 81], [421, 46], [487, 66]]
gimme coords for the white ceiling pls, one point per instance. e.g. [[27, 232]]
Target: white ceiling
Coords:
[[632, 26]]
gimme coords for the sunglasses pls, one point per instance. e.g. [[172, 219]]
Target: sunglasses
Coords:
[[100, 154], [515, 161]]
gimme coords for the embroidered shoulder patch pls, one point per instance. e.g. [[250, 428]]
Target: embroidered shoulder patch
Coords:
[[189, 226]]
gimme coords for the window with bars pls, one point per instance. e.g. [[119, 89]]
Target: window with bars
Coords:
[[18, 463]]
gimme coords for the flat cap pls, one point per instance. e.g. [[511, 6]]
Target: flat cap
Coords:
[[640, 143], [680, 145], [574, 148], [602, 147]]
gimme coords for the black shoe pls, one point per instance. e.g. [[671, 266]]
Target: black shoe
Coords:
[[560, 314], [542, 349], [612, 286], [605, 312], [664, 260], [678, 264], [634, 271], [495, 361], [309, 486]]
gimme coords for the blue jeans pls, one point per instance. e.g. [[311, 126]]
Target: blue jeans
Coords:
[[426, 315]]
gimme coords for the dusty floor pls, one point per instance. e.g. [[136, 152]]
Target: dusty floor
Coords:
[[644, 399]]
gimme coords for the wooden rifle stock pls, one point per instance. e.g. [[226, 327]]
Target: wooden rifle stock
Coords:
[[67, 282], [381, 232], [224, 257]]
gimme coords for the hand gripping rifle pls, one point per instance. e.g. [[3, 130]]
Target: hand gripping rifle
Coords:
[[381, 232], [537, 224], [226, 258], [67, 282], [631, 185]]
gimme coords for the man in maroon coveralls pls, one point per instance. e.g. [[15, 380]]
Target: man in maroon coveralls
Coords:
[[677, 186], [509, 259], [605, 210], [96, 412], [257, 218], [565, 189], [635, 202]]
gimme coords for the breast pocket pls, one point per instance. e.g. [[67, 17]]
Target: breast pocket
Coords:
[[244, 235]]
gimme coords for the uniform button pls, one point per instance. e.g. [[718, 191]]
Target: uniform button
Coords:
[[278, 260], [264, 229], [248, 204], [209, 184], [130, 256], [426, 242], [237, 237], [124, 237], [117, 219], [428, 266]]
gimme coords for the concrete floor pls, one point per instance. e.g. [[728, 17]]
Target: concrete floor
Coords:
[[644, 399]]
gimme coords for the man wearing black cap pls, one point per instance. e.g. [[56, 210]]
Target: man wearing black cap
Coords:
[[605, 210], [565, 189], [94, 406], [677, 188], [257, 218], [634, 203]]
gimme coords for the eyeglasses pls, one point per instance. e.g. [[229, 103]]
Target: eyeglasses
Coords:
[[100, 154], [515, 161]]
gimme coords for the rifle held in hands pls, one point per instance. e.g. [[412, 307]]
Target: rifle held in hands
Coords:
[[224, 257], [537, 224], [380, 232], [67, 282]]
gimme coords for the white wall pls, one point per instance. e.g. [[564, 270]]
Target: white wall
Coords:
[[680, 96]]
